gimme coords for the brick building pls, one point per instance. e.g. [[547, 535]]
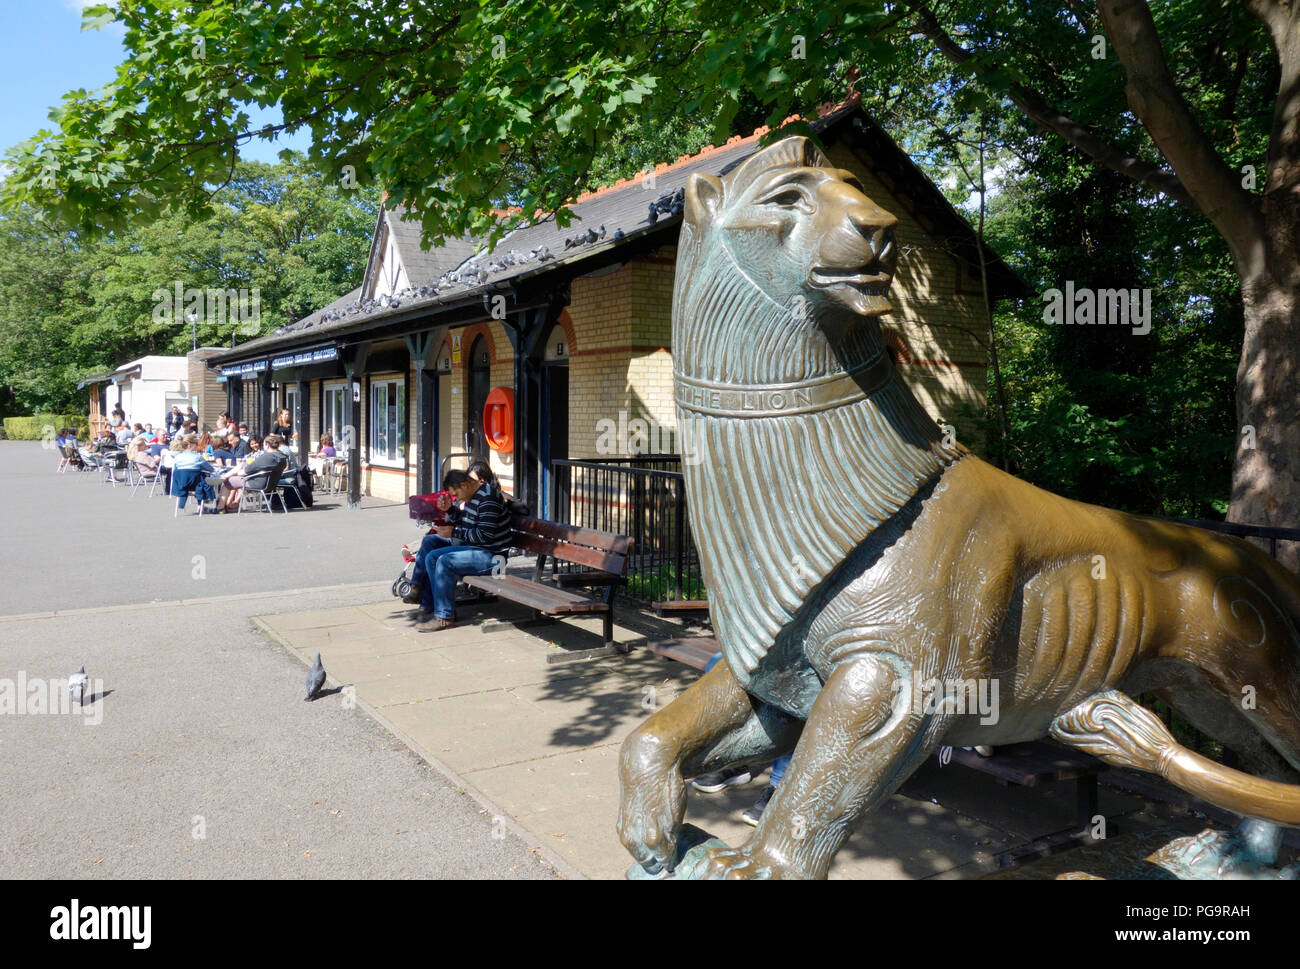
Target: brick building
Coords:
[[576, 323]]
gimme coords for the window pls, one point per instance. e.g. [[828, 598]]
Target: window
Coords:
[[291, 403], [388, 421], [335, 418]]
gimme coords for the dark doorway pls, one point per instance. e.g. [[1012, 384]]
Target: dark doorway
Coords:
[[480, 384], [554, 426]]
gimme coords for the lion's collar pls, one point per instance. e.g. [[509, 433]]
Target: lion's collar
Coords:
[[719, 399]]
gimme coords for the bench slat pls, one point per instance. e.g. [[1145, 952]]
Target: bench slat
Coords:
[[545, 599], [573, 534], [680, 605], [693, 651], [592, 558], [585, 578]]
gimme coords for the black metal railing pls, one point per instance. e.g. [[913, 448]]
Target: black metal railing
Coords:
[[643, 497], [1267, 532]]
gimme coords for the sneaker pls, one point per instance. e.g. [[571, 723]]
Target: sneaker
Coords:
[[712, 783], [414, 595], [752, 813]]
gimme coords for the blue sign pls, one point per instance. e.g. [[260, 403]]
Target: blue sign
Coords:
[[315, 355], [256, 366]]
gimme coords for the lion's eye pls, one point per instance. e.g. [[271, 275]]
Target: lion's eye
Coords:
[[789, 198]]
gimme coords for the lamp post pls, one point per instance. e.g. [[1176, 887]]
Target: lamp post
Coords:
[[194, 329]]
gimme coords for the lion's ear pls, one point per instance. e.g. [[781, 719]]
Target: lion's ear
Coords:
[[703, 197]]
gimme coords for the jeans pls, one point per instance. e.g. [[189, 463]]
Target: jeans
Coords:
[[781, 763], [445, 566], [420, 573]]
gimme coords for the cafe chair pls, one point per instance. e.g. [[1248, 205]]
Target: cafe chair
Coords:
[[261, 489]]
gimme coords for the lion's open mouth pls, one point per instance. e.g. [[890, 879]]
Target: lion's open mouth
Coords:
[[873, 283]]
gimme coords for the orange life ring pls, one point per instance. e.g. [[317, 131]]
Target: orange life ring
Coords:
[[499, 419]]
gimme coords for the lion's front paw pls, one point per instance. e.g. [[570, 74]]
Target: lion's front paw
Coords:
[[716, 861], [650, 814]]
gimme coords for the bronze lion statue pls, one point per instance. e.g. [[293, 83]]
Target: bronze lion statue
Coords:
[[895, 559]]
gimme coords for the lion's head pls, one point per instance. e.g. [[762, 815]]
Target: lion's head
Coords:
[[809, 225], [777, 257]]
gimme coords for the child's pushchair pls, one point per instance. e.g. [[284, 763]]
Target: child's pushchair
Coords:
[[424, 509]]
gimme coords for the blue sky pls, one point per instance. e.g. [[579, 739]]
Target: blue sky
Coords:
[[44, 54]]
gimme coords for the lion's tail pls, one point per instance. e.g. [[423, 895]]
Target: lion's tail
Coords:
[[1121, 732]]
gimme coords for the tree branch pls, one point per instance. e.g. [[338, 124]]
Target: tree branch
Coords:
[[1158, 104], [1036, 107]]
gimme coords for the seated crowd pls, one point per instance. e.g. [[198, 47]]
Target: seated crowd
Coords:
[[214, 465]]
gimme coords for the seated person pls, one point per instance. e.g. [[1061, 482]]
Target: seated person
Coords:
[[479, 470], [319, 461], [189, 467], [479, 534], [225, 445], [135, 448], [269, 461]]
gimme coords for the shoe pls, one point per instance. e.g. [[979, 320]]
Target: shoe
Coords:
[[414, 595], [421, 615], [752, 813], [712, 783], [435, 625]]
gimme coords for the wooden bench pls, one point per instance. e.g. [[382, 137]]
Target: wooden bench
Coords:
[[601, 555]]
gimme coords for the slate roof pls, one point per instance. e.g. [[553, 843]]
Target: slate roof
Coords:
[[462, 273], [422, 264]]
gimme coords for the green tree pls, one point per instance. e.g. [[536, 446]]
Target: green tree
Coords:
[[72, 304], [460, 107]]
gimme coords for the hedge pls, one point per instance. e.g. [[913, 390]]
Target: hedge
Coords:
[[33, 428]]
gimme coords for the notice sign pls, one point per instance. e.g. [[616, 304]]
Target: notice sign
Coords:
[[316, 355], [455, 348]]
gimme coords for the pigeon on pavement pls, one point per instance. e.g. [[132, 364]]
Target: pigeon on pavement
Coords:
[[77, 684], [315, 679]]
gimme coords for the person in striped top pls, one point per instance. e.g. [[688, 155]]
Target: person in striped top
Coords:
[[479, 532]]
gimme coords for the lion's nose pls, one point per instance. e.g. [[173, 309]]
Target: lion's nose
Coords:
[[873, 222]]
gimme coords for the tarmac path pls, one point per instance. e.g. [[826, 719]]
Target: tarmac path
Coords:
[[199, 758]]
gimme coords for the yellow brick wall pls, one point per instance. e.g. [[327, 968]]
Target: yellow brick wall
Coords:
[[941, 328]]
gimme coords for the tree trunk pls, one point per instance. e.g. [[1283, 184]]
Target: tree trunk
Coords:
[[1266, 477]]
